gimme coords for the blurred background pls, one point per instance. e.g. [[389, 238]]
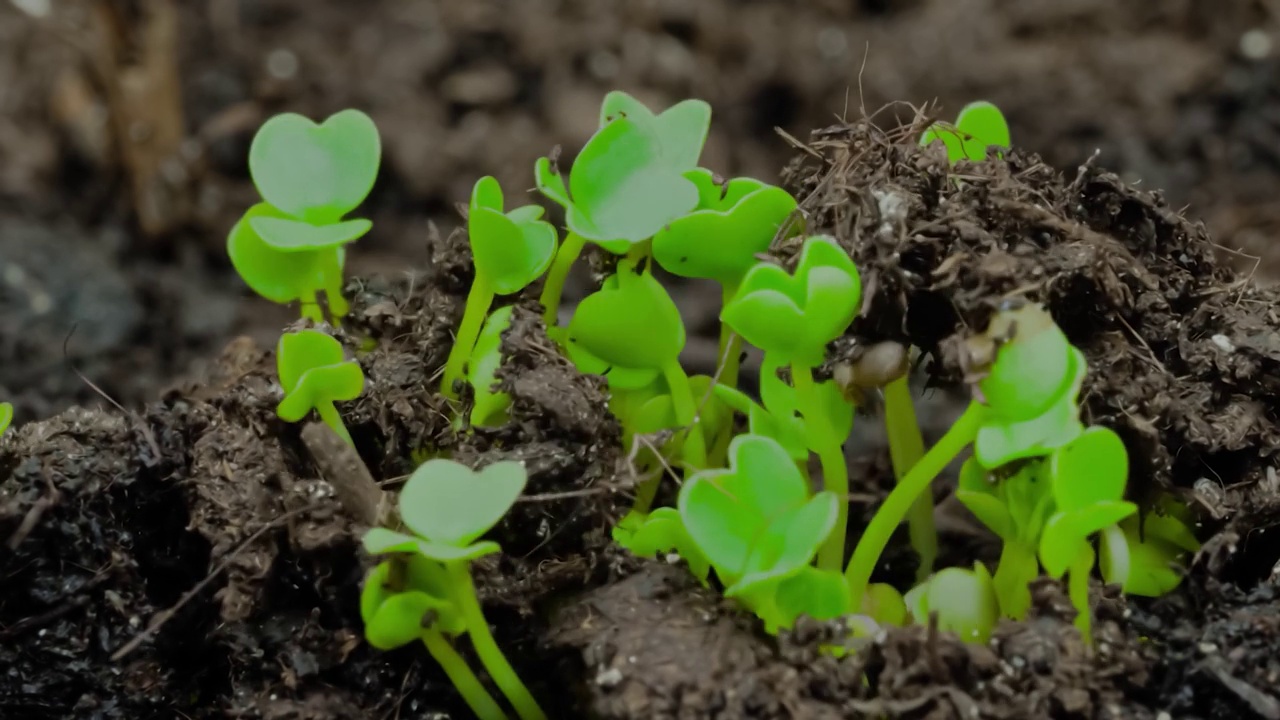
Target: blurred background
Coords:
[[125, 124]]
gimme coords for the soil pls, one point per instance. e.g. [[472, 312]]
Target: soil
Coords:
[[186, 554]]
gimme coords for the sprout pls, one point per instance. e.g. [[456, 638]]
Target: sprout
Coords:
[[426, 590], [979, 126], [963, 600], [291, 247], [315, 374]]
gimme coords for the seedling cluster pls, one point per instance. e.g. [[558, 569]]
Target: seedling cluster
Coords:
[[748, 516]]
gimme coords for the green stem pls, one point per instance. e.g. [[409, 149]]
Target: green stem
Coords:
[[479, 300], [906, 447], [553, 288], [686, 410], [1078, 591], [504, 676], [329, 414], [896, 506], [730, 356], [830, 449], [468, 685], [647, 490], [1018, 567]]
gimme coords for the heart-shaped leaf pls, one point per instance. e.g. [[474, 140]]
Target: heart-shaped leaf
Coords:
[[313, 371], [788, 544], [291, 236], [448, 502], [681, 129], [316, 173], [398, 620], [1032, 371], [1066, 532], [721, 239], [621, 189], [381, 541], [630, 322], [819, 594], [281, 276], [795, 316], [726, 512], [979, 126], [509, 252], [1091, 469]]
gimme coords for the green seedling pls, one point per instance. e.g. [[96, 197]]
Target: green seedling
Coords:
[[291, 246], [1143, 555], [963, 600], [489, 408], [6, 416], [315, 374], [631, 332], [794, 316], [511, 250], [759, 527], [626, 184], [426, 590], [681, 129], [1027, 378], [733, 223], [980, 126], [661, 532]]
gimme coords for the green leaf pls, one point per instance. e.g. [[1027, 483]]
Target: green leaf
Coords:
[[788, 543], [6, 416], [508, 253], [316, 173], [982, 125], [279, 276], [780, 400], [727, 512], [1066, 532], [721, 241], [1091, 469], [312, 371], [949, 136], [1165, 528], [884, 604], [381, 541], [292, 236], [621, 189], [632, 324], [795, 316], [489, 408], [963, 599], [1148, 569], [979, 495], [681, 129], [663, 532], [448, 502], [1002, 439], [819, 594], [1034, 370]]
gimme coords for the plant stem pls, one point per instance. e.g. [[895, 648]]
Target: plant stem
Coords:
[[1078, 591], [479, 300], [647, 490], [1018, 566], [906, 447], [728, 365], [553, 288], [686, 410], [830, 449], [468, 685], [896, 506], [329, 414], [504, 676]]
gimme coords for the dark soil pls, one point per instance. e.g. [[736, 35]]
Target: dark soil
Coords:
[[188, 556]]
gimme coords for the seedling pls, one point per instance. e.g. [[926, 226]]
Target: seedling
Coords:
[[963, 600], [980, 126], [759, 527], [315, 374], [626, 183], [511, 250], [6, 416], [1142, 554], [733, 223], [291, 246], [425, 591], [631, 330], [489, 407], [794, 317]]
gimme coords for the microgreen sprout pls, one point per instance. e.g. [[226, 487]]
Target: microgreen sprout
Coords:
[[794, 316], [6, 416], [425, 591], [291, 247], [1142, 554], [511, 250], [626, 183], [963, 600], [489, 407], [980, 126], [314, 374]]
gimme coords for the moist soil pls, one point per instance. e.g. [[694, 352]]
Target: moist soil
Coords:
[[187, 554], [200, 558]]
